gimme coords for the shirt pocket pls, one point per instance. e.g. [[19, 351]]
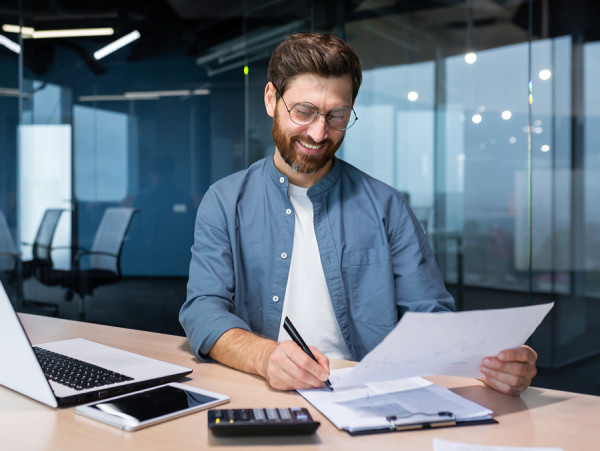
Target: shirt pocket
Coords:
[[372, 292]]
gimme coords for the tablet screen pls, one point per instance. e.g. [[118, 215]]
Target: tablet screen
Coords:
[[154, 403]]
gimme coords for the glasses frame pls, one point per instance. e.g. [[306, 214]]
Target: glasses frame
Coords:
[[327, 115]]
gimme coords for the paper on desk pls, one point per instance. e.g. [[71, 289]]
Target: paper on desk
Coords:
[[450, 343], [366, 407], [445, 445]]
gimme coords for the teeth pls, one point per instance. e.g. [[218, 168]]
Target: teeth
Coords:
[[309, 146]]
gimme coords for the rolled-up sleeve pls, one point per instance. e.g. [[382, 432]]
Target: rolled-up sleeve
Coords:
[[208, 311]]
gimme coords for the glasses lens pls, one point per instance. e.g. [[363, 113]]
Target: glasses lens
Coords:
[[303, 113], [341, 118]]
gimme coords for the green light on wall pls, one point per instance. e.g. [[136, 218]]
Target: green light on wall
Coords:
[[246, 70]]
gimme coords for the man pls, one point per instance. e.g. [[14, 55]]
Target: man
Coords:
[[305, 235]]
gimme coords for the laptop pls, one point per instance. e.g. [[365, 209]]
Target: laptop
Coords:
[[97, 372]]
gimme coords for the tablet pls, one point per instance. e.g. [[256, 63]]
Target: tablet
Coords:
[[151, 406]]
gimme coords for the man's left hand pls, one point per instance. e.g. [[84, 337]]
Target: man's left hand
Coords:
[[511, 371]]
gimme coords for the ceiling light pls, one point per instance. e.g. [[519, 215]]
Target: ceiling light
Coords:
[[177, 93], [470, 58], [144, 95], [413, 96], [75, 33], [545, 148], [28, 32], [9, 92], [10, 45], [477, 118], [545, 74], [116, 45], [506, 115]]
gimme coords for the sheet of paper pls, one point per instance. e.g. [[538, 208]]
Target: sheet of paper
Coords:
[[411, 400], [445, 445], [452, 343]]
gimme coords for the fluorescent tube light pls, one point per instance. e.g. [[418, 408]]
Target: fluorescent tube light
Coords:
[[105, 98], [9, 92], [28, 32], [10, 45], [178, 93], [144, 95], [116, 45], [76, 33]]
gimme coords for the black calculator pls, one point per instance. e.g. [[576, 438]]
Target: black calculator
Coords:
[[267, 421]]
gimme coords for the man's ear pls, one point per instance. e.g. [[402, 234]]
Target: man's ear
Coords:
[[270, 99]]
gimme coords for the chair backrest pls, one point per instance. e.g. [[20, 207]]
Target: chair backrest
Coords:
[[42, 244], [8, 249], [109, 239]]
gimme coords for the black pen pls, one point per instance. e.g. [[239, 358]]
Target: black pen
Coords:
[[293, 333]]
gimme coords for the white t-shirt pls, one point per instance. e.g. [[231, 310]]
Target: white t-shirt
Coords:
[[307, 302]]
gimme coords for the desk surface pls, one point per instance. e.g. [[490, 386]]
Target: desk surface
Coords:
[[540, 417]]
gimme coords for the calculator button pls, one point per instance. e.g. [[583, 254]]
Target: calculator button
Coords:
[[272, 414], [284, 414]]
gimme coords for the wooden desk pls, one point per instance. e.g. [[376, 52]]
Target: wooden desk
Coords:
[[539, 417]]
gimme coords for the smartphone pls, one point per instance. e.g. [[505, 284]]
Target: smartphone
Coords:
[[151, 406]]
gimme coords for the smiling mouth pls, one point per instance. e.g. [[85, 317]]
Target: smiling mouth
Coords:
[[313, 147]]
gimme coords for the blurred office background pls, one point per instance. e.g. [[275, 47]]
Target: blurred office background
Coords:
[[486, 113]]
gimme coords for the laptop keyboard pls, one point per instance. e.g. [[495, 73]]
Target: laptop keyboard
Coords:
[[75, 373]]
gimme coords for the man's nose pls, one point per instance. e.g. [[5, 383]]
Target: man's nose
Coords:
[[317, 130]]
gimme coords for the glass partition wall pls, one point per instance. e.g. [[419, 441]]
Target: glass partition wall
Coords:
[[483, 112]]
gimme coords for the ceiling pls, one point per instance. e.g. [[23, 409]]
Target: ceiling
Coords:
[[195, 28]]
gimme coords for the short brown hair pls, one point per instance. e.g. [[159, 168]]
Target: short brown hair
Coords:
[[314, 53]]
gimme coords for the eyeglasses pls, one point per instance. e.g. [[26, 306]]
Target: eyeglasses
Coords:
[[304, 113]]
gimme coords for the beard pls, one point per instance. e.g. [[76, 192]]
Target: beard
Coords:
[[297, 160]]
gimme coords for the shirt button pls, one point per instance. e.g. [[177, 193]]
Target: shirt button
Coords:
[[283, 255], [281, 180], [275, 298], [288, 211]]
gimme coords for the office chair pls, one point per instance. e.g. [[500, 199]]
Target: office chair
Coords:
[[42, 243], [41, 260], [9, 256], [103, 260]]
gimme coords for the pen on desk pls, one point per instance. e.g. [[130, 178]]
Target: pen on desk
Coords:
[[293, 333]]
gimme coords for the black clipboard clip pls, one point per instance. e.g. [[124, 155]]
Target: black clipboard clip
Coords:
[[442, 419]]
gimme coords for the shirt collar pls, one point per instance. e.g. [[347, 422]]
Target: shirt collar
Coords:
[[323, 185]]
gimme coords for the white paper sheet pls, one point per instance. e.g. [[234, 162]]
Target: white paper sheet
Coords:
[[445, 445], [452, 343]]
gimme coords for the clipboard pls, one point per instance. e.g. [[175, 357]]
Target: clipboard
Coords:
[[435, 420], [394, 406]]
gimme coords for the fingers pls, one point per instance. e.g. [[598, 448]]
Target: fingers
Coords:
[[511, 371], [321, 359], [290, 368], [523, 354]]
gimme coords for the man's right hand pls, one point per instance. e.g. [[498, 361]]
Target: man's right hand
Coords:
[[288, 367], [284, 365]]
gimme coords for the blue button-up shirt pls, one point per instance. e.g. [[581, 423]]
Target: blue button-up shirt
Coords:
[[376, 259]]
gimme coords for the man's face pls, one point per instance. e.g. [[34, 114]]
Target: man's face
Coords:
[[308, 148]]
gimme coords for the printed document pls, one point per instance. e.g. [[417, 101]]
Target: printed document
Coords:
[[387, 405], [452, 343]]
